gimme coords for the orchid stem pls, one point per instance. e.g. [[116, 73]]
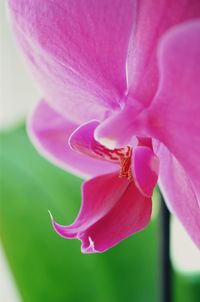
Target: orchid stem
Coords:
[[165, 265]]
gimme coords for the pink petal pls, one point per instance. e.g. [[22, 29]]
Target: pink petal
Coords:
[[154, 18], [82, 140], [179, 193], [77, 50], [145, 167], [112, 209], [50, 132], [174, 116]]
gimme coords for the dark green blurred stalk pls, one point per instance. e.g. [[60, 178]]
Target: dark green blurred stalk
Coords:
[[165, 265]]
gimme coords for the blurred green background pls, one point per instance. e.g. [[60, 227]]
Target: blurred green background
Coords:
[[48, 268]]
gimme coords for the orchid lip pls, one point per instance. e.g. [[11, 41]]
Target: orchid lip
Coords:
[[129, 177]]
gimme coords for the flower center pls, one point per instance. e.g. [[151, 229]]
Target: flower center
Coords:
[[125, 164], [121, 156]]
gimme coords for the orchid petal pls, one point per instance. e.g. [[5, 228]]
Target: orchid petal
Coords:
[[91, 211], [154, 18], [179, 193], [112, 209], [145, 167], [77, 50], [174, 115], [82, 140], [50, 132]]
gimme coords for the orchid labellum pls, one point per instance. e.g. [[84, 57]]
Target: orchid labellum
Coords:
[[121, 107]]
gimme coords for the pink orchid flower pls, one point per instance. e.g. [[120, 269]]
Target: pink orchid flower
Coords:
[[121, 83]]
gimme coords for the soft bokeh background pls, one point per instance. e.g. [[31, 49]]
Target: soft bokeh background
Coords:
[[36, 264]]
